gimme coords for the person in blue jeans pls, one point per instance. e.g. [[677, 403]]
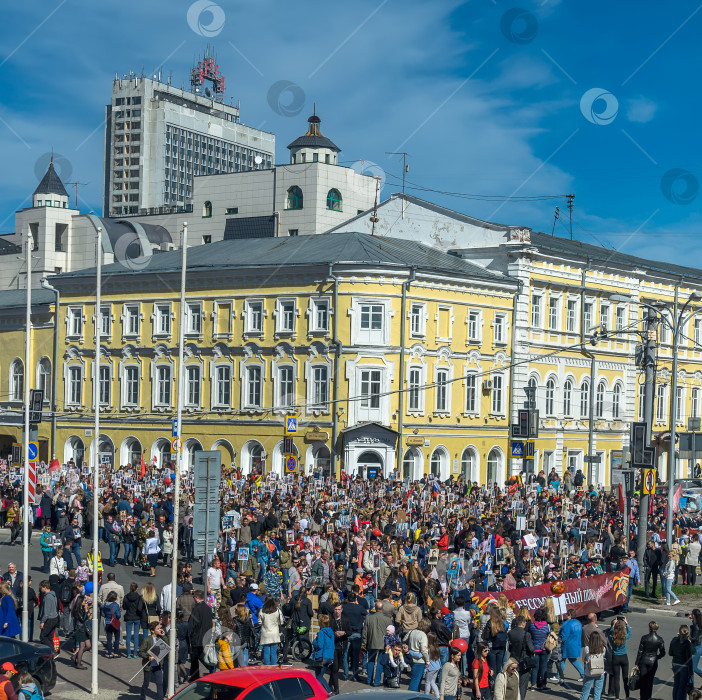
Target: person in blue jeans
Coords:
[[323, 647], [593, 656], [133, 609], [619, 634], [418, 645], [539, 630], [571, 634], [46, 541]]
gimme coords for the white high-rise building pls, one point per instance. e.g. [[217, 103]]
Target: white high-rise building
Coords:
[[158, 137]]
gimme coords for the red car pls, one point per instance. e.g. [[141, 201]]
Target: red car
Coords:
[[255, 683]]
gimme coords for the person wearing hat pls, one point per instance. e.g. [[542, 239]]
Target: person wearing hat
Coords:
[[7, 691]]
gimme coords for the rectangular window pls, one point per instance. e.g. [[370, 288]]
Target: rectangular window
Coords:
[[587, 317], [695, 403], [442, 377], [163, 385], [497, 398], [254, 317], [193, 323], [663, 333], [604, 316], [473, 326], [105, 323], [75, 386], [105, 386], [371, 317], [286, 387], [192, 389], [320, 315], [536, 301], [253, 386], [553, 314], [286, 316], [499, 329], [370, 388], [698, 331], [679, 405], [620, 319], [163, 319], [660, 402], [414, 382], [131, 386], [417, 320], [131, 321], [320, 387], [223, 386], [572, 316], [471, 393], [74, 326]]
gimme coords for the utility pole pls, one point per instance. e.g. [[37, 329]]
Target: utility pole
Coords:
[[405, 170], [648, 362], [570, 198]]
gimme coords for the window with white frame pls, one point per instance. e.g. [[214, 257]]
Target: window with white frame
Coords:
[[572, 316], [164, 385], [105, 323], [417, 320], [414, 382], [44, 378], [620, 321], [471, 393], [254, 386], [193, 386], [600, 400], [372, 317], [320, 387], [442, 393], [679, 404], [695, 403], [319, 317], [75, 386], [105, 388], [17, 380], [193, 318], [497, 396], [285, 316], [131, 320], [286, 386], [74, 322], [617, 402], [663, 333], [698, 331], [370, 388], [553, 305], [223, 386], [131, 386], [254, 316], [500, 329], [551, 397], [473, 326], [370, 322], [568, 397], [162, 314], [604, 316], [588, 316], [660, 402], [536, 310], [585, 399]]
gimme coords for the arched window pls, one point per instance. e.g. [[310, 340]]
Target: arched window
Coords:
[[16, 380], [533, 385], [585, 399], [294, 200], [599, 400], [44, 377], [435, 463], [334, 199], [134, 453], [617, 402], [408, 464], [207, 210], [551, 397], [469, 464], [493, 465], [568, 398]]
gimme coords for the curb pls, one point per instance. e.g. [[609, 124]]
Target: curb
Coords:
[[657, 611]]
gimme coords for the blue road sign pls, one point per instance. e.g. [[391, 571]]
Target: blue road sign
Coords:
[[291, 425], [175, 428], [33, 451], [517, 448]]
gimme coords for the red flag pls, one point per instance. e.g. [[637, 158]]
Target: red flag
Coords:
[[676, 498], [143, 467], [621, 500]]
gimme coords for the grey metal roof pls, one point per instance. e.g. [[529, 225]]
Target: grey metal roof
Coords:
[[314, 142], [352, 248], [578, 249], [51, 183], [250, 227], [9, 248], [13, 298]]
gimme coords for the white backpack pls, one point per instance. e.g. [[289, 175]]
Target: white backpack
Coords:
[[594, 666]]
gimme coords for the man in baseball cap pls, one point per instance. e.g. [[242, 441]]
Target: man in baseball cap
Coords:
[[7, 670]]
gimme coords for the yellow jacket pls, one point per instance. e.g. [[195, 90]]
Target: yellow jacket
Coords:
[[224, 656]]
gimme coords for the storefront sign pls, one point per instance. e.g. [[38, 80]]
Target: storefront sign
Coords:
[[415, 441], [316, 436]]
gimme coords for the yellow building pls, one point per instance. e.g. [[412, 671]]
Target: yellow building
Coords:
[[312, 325]]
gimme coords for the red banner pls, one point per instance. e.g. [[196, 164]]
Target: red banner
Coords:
[[589, 594]]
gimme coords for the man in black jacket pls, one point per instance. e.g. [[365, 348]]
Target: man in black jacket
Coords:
[[355, 613], [652, 566], [521, 648], [341, 626], [199, 624]]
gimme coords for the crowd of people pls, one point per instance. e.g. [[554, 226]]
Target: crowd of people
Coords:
[[374, 578]]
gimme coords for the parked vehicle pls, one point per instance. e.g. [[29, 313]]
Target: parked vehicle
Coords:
[[37, 659]]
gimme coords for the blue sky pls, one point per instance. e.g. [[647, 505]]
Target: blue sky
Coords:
[[488, 98]]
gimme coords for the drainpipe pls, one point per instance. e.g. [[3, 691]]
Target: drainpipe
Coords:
[[401, 402], [587, 353], [520, 287], [337, 361], [54, 373]]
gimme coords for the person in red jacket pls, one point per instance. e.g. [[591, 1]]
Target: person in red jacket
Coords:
[[443, 539]]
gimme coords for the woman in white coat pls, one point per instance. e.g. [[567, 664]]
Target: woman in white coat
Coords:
[[271, 621], [692, 556]]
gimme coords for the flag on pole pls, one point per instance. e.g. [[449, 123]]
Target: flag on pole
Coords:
[[621, 499], [676, 498], [143, 467]]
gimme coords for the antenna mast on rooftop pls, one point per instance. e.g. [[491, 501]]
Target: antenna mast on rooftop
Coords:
[[570, 198]]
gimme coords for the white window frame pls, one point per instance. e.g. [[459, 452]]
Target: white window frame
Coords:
[[370, 336], [550, 399], [286, 316], [500, 329], [600, 398], [568, 386], [697, 329], [474, 325], [572, 316], [679, 404], [281, 402], [105, 322], [127, 401], [661, 403], [105, 401], [472, 394], [162, 311], [319, 402], [418, 319], [216, 399], [253, 308], [620, 318], [74, 398], [190, 401], [157, 383], [497, 394], [224, 306], [554, 313], [415, 390], [617, 394], [588, 315], [128, 317], [445, 308], [584, 399], [369, 398], [75, 323], [537, 307], [17, 380], [248, 370], [193, 319], [605, 316], [316, 307], [442, 390]]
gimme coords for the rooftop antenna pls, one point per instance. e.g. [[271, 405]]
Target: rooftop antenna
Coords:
[[405, 170], [556, 215], [82, 184], [374, 218], [570, 198]]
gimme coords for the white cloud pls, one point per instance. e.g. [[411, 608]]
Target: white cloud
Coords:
[[641, 110]]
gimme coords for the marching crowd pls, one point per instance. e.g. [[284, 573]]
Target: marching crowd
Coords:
[[365, 579]]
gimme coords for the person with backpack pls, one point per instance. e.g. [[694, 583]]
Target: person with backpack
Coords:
[[521, 647], [46, 542], [594, 658], [495, 636], [111, 613], [28, 689], [134, 610], [323, 653]]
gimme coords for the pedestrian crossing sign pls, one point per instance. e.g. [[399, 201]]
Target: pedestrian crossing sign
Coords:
[[291, 425]]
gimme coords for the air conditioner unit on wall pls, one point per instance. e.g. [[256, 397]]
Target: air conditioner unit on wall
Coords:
[[487, 384]]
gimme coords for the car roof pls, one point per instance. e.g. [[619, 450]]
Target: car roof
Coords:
[[253, 675], [396, 693]]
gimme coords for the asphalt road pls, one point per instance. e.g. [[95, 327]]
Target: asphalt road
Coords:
[[115, 674]]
